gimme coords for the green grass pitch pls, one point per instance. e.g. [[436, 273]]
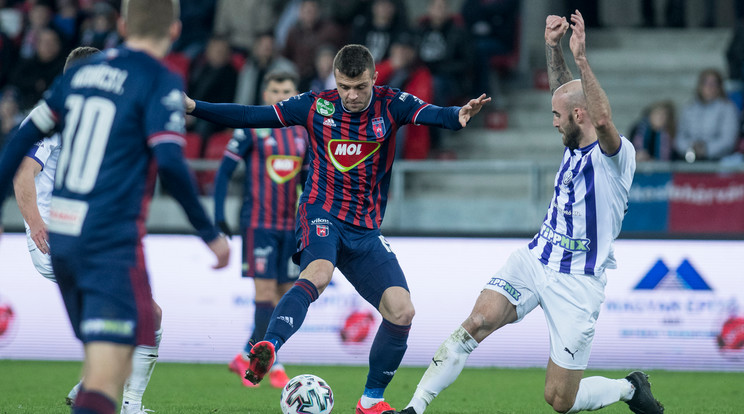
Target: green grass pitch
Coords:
[[40, 387]]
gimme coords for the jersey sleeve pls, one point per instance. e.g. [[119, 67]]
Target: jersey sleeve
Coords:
[[623, 161], [164, 112], [409, 109], [295, 110], [41, 151]]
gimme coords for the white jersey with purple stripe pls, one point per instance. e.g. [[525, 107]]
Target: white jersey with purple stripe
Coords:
[[586, 212], [46, 153]]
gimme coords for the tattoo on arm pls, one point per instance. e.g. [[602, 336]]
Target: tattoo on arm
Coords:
[[558, 71]]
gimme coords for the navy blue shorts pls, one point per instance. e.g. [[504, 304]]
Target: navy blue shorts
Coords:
[[362, 255], [107, 293], [267, 254]]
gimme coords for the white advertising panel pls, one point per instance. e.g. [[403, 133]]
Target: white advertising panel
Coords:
[[669, 305]]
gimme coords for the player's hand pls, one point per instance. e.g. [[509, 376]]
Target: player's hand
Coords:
[[555, 28], [221, 250], [471, 108], [40, 236], [225, 229], [188, 103], [578, 37]]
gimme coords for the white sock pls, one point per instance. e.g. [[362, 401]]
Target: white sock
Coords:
[[597, 392], [368, 402], [444, 369], [143, 362]]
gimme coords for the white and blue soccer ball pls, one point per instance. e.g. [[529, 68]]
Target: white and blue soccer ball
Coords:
[[306, 394]]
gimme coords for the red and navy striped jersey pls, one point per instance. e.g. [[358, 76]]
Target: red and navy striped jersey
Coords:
[[351, 154], [273, 159]]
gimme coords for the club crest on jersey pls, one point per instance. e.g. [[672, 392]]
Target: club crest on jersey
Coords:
[[567, 177], [378, 126], [324, 108], [346, 154], [321, 230], [282, 168], [261, 264]]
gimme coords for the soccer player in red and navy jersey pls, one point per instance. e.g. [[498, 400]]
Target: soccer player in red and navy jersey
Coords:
[[351, 133], [122, 119], [274, 168]]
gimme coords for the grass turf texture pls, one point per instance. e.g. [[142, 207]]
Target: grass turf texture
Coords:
[[40, 387]]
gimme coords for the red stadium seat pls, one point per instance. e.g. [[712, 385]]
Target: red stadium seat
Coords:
[[214, 151], [178, 63], [193, 145], [217, 144]]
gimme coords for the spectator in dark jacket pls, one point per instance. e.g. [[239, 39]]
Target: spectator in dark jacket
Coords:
[[34, 75], [304, 38], [444, 48], [377, 30], [493, 26], [213, 79]]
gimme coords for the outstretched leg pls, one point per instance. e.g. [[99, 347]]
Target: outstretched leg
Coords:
[[288, 317], [491, 311]]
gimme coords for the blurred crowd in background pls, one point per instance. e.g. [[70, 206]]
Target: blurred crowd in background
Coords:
[[449, 52]]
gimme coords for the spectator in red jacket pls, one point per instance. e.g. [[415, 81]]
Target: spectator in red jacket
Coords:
[[405, 71]]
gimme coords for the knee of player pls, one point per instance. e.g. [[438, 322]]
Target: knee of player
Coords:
[[478, 322], [560, 403], [403, 314], [319, 273]]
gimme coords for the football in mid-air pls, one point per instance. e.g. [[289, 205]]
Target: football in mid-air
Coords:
[[306, 394]]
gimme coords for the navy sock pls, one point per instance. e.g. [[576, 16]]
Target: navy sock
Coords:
[[261, 318], [385, 355], [92, 402], [290, 312]]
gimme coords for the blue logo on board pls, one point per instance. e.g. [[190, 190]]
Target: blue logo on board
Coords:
[[684, 277]]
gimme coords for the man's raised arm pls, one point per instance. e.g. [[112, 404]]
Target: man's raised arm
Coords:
[[558, 71]]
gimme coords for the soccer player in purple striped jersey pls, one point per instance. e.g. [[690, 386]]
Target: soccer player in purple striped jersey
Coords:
[[562, 269], [122, 120], [275, 164], [351, 133]]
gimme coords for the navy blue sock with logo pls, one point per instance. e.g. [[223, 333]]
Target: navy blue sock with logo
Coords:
[[385, 355], [261, 318], [290, 312]]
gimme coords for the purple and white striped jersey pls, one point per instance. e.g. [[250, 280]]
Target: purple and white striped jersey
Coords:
[[587, 209]]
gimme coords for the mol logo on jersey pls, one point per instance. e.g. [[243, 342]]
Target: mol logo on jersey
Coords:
[[282, 168], [347, 154]]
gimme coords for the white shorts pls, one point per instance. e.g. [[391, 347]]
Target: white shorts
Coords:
[[43, 264], [571, 304]]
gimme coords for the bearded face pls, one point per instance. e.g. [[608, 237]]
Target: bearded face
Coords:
[[571, 134]]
